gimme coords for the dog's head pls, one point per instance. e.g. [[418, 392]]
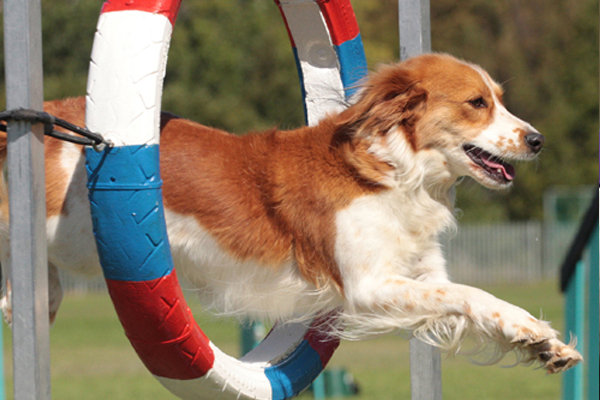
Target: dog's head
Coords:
[[436, 104]]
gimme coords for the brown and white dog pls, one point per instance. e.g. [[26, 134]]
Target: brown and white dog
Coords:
[[346, 214]]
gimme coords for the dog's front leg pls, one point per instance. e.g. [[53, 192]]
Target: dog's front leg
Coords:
[[451, 312]]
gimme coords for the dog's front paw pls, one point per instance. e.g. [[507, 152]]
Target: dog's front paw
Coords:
[[557, 356], [538, 342], [554, 355]]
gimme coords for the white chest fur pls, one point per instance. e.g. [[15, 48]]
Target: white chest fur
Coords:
[[390, 234]]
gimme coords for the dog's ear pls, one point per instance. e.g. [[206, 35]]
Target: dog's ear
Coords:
[[393, 97]]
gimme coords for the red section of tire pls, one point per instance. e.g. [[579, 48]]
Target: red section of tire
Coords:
[[338, 15], [319, 337], [161, 327], [168, 8], [340, 19]]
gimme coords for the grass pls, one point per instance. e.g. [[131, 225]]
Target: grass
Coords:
[[91, 358]]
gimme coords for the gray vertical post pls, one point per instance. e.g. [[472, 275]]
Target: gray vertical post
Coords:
[[24, 89], [415, 28], [425, 371], [415, 38]]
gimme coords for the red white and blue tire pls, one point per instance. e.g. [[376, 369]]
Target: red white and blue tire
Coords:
[[123, 103]]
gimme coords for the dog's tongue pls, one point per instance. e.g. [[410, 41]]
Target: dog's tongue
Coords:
[[507, 170]]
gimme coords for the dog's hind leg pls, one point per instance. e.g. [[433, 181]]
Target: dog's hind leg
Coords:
[[5, 289], [55, 291]]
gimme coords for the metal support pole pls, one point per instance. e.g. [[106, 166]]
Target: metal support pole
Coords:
[[415, 28], [415, 38], [425, 371], [28, 258]]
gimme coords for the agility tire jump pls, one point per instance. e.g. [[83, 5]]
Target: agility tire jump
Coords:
[[123, 103]]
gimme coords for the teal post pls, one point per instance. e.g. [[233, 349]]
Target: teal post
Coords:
[[593, 314], [251, 333], [573, 379], [318, 387]]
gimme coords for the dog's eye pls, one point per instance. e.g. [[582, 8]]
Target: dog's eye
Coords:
[[478, 102]]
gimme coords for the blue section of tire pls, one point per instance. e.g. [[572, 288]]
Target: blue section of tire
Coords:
[[295, 373], [353, 63], [127, 213], [301, 78]]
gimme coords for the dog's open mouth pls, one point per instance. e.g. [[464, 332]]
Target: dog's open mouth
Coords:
[[494, 167]]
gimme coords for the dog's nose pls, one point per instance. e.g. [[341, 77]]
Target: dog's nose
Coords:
[[535, 141]]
